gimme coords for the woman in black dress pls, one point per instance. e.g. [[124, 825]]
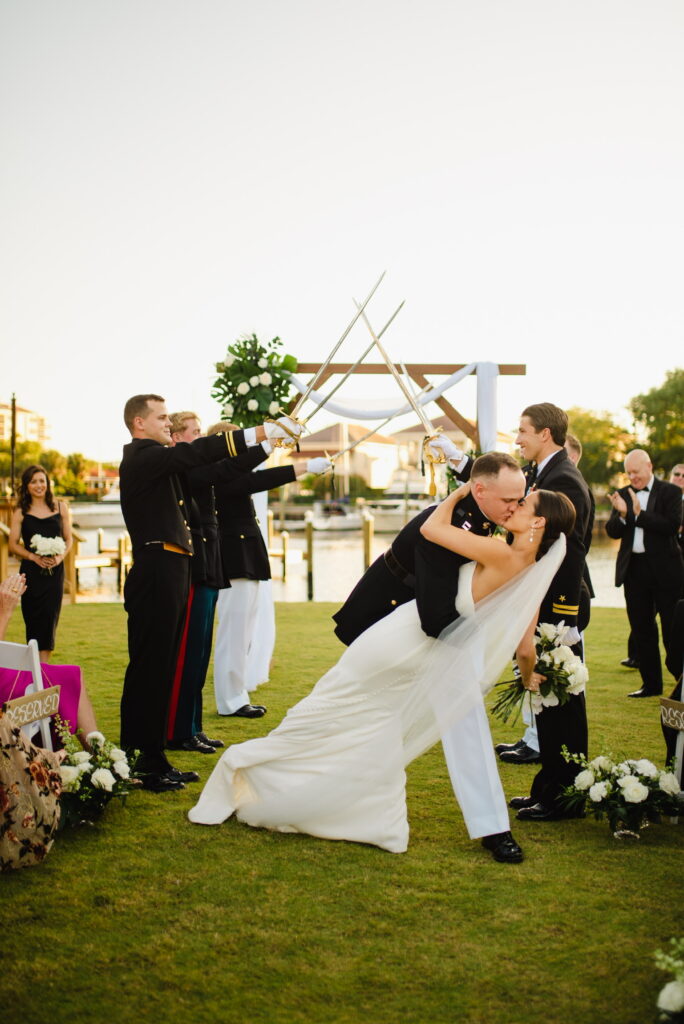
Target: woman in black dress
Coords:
[[39, 513]]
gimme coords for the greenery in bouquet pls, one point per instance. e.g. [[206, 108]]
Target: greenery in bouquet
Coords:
[[253, 381], [90, 778], [628, 793], [671, 996], [564, 674]]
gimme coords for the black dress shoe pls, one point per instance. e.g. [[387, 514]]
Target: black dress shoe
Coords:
[[501, 747], [178, 776], [516, 802], [194, 744], [247, 711], [629, 663], [645, 693], [161, 783], [211, 743], [523, 755], [503, 847], [540, 812]]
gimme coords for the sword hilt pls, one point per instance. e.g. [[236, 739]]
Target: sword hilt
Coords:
[[432, 459]]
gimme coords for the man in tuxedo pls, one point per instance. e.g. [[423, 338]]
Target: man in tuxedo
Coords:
[[414, 567], [677, 478], [646, 518], [157, 587]]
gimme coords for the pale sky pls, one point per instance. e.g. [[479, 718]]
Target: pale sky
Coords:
[[174, 174]]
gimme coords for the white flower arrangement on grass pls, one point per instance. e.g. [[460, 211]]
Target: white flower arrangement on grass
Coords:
[[564, 674], [47, 547], [90, 778], [254, 381], [671, 997], [627, 792]]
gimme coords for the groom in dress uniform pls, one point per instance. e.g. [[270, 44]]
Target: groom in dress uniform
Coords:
[[157, 587], [414, 567]]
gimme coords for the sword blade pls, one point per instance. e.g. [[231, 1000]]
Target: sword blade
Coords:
[[302, 399], [375, 430], [351, 368]]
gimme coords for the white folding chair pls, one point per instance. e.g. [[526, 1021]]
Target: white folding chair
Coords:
[[24, 658]]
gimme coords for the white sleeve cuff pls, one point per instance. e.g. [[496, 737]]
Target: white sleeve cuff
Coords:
[[250, 436], [267, 446], [458, 467]]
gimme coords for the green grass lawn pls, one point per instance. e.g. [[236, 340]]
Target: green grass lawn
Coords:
[[147, 917]]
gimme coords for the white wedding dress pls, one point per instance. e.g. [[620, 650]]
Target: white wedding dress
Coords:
[[334, 767]]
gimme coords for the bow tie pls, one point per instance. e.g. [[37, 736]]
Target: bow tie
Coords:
[[643, 489]]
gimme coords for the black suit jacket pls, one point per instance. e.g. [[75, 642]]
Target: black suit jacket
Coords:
[[432, 578], [660, 521]]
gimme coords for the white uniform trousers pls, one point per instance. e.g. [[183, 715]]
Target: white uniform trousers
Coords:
[[236, 636], [474, 775]]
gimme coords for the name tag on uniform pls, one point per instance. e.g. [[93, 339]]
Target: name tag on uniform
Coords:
[[467, 525]]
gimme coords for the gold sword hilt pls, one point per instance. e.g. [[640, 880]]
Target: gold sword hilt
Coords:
[[432, 460]]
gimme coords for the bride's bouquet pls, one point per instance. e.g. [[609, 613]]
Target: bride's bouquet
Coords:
[[565, 675], [47, 547]]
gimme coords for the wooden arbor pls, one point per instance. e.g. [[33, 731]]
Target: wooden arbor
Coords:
[[418, 373]]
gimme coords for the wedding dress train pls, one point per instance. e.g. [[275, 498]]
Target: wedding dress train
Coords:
[[334, 767]]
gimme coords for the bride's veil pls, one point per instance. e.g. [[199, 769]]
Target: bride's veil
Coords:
[[470, 655]]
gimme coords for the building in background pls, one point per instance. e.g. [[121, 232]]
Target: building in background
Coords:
[[30, 426]]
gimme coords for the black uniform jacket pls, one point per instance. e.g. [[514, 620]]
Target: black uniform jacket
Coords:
[[412, 568], [152, 498], [660, 521], [243, 551]]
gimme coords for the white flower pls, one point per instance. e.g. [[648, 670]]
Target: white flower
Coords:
[[671, 997], [265, 378], [47, 547], [68, 774], [647, 768], [633, 791], [536, 702], [546, 658], [227, 411], [624, 768], [563, 656], [263, 363], [585, 779], [95, 739], [273, 408], [117, 755], [578, 676], [599, 791], [242, 388], [668, 783], [80, 757], [102, 778], [121, 768], [601, 764], [550, 700], [254, 381], [229, 360], [252, 405], [547, 631]]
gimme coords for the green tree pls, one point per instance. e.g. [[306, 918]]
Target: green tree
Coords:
[[76, 464], [604, 444], [660, 414]]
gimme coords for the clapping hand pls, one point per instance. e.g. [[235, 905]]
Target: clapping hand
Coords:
[[11, 590], [619, 504]]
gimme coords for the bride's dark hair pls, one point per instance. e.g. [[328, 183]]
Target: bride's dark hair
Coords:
[[559, 513]]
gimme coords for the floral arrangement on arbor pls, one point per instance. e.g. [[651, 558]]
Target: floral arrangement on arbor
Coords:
[[628, 792], [254, 381], [671, 996], [90, 778], [565, 674]]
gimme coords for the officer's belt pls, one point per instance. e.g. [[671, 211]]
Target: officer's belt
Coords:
[[398, 570]]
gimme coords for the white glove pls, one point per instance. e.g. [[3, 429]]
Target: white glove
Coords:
[[318, 465], [276, 431], [443, 446]]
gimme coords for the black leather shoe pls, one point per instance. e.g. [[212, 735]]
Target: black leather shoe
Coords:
[[501, 747], [194, 744], [503, 847], [645, 693], [629, 663], [516, 802], [161, 783], [211, 743], [179, 776], [540, 812], [523, 755], [247, 711]]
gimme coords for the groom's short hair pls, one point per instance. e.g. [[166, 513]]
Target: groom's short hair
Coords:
[[546, 414], [491, 464]]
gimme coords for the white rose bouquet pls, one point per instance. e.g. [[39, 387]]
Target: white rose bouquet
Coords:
[[253, 381], [90, 778], [564, 674], [47, 547], [671, 997], [627, 792]]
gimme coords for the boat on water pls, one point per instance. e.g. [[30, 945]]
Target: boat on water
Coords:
[[391, 514], [95, 515], [335, 515]]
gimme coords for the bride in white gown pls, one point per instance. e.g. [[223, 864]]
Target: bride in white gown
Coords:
[[335, 766]]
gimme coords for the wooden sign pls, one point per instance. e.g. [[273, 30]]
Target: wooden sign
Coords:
[[24, 710], [672, 713]]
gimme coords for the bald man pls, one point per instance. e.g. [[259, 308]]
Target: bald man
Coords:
[[646, 517]]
